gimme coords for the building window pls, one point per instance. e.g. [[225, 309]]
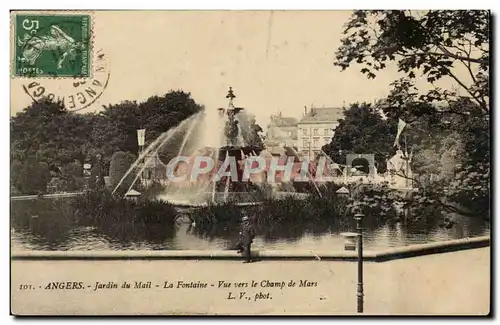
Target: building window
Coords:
[[305, 143], [326, 132], [305, 131], [316, 143], [327, 140], [315, 131]]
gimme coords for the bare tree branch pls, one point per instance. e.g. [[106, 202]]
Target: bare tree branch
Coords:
[[408, 177], [480, 101], [459, 57], [454, 209], [467, 63], [450, 55]]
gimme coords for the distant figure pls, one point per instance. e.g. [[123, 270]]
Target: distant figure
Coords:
[[247, 235]]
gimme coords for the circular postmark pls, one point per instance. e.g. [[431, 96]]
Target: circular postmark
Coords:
[[74, 93]]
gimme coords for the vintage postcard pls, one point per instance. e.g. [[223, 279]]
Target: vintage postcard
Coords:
[[250, 162]]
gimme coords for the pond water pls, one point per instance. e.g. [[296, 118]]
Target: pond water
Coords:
[[50, 235]]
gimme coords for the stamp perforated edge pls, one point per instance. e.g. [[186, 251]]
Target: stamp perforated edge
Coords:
[[12, 62]]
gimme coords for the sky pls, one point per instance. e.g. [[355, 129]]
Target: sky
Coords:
[[274, 60]]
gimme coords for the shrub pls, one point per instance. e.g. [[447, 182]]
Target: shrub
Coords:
[[291, 216], [123, 218], [120, 163]]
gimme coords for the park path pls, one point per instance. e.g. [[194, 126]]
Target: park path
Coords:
[[45, 196], [455, 283]]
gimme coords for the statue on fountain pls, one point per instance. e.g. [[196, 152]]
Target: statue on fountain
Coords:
[[235, 144], [231, 128]]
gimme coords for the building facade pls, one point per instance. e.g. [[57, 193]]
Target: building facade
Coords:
[[316, 128], [281, 132]]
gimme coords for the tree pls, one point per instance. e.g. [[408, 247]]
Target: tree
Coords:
[[120, 163], [159, 114], [362, 130], [116, 126], [250, 130], [30, 177], [72, 173], [49, 133], [16, 170], [33, 127], [433, 44]]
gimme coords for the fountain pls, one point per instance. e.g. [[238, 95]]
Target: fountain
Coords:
[[212, 141]]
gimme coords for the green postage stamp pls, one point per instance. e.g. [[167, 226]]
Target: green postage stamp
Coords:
[[56, 45]]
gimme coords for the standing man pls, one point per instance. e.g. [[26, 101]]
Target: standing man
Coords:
[[247, 235]]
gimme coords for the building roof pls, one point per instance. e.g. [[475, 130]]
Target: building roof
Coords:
[[265, 154], [323, 115], [278, 120], [133, 192], [279, 151], [342, 190]]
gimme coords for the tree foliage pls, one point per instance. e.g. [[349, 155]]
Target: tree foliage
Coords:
[[251, 131], [30, 176], [120, 163], [363, 130], [431, 43], [50, 134], [448, 128], [118, 124]]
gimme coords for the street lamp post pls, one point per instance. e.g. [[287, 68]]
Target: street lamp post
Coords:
[[349, 246], [359, 217]]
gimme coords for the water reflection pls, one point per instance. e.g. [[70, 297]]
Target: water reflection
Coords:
[[42, 225]]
